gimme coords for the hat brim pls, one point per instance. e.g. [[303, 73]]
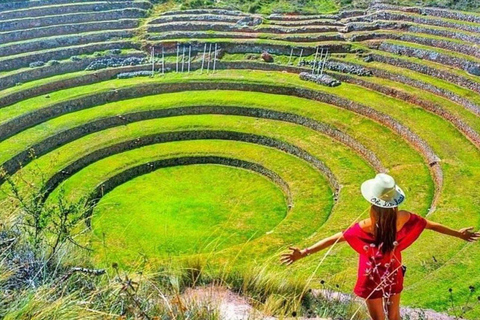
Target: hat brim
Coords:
[[394, 201]]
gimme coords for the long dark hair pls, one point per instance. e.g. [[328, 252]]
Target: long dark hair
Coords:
[[385, 227]]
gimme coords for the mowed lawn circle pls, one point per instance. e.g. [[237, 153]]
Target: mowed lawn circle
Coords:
[[185, 210]]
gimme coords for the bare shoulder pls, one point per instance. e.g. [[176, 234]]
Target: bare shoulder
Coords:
[[404, 215], [366, 224]]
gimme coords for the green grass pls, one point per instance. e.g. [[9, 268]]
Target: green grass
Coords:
[[461, 91], [50, 38], [456, 5], [309, 44], [186, 210], [264, 7], [434, 49], [342, 164], [457, 110], [209, 36], [310, 193], [29, 84], [459, 162], [430, 64], [460, 22], [26, 54]]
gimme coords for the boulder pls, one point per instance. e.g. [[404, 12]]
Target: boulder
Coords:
[[474, 69], [250, 21], [267, 57], [322, 79]]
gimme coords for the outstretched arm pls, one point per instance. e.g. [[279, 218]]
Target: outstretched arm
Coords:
[[296, 254], [466, 234]]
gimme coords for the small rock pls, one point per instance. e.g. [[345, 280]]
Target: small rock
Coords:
[[267, 57], [368, 59], [474, 69], [250, 21], [322, 79]]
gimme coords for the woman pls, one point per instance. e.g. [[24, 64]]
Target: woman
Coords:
[[379, 240]]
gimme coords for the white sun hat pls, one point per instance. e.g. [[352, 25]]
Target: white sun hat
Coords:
[[382, 191]]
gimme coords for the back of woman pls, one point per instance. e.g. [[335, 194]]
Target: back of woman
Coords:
[[380, 272], [379, 241]]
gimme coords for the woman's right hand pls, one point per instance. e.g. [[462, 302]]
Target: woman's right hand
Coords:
[[291, 257], [468, 235]]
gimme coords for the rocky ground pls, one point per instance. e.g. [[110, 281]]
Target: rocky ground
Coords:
[[232, 306]]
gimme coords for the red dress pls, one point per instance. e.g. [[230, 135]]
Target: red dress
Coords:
[[381, 275]]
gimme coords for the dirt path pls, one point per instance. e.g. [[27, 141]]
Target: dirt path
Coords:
[[232, 306]]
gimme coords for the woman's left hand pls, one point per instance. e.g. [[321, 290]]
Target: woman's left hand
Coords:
[[468, 234]]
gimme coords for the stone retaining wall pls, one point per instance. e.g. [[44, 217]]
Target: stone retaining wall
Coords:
[[461, 126], [444, 75], [451, 14], [13, 63], [131, 173], [443, 44], [103, 75], [437, 12], [229, 27], [165, 137], [73, 8], [13, 5], [63, 41], [445, 33], [374, 35], [199, 17], [75, 18], [322, 79], [245, 47], [374, 25], [237, 35], [428, 55], [385, 15], [283, 17], [320, 22], [427, 87], [206, 11], [341, 15], [21, 35], [20, 123], [60, 138], [48, 71]]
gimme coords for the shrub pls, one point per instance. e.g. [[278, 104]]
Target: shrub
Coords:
[[322, 79], [127, 75], [36, 64], [53, 62], [114, 62], [115, 51]]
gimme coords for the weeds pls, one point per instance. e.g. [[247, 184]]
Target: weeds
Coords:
[[46, 272], [460, 311]]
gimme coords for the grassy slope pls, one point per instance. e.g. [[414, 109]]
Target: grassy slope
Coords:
[[456, 167], [185, 210], [310, 197], [354, 124]]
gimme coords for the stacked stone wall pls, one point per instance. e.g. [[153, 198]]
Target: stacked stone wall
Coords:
[[75, 18], [17, 62], [63, 41], [21, 35], [72, 8], [441, 74]]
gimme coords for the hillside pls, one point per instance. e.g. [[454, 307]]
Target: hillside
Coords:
[[159, 146]]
